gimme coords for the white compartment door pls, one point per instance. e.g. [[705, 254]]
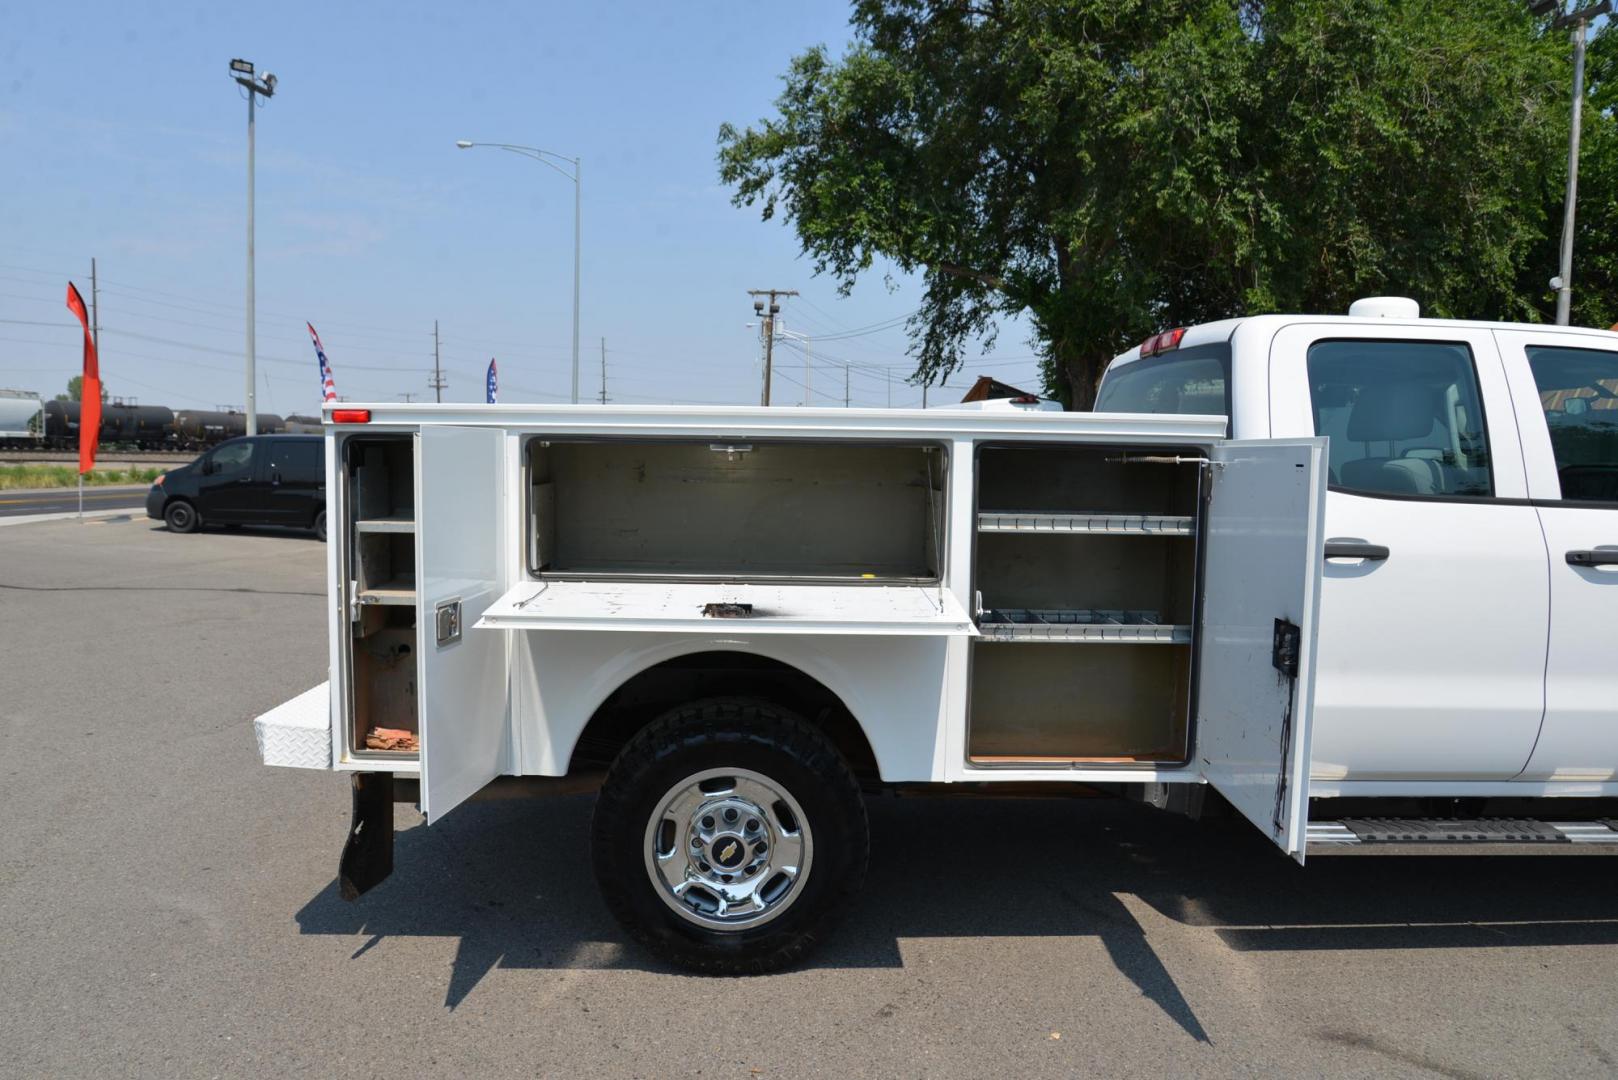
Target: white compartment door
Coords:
[[1257, 661], [464, 691]]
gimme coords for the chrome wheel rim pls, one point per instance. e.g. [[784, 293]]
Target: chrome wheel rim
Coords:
[[728, 849]]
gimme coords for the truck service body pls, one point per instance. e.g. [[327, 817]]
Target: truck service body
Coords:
[[1322, 567]]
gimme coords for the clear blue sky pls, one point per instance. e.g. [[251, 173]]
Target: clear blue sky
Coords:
[[124, 139]]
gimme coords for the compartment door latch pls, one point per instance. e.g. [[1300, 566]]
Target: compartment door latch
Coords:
[[1284, 651], [447, 619]]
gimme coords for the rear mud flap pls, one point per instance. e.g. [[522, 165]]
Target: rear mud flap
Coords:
[[368, 853]]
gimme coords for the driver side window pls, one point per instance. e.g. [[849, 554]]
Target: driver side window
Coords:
[[1404, 418], [232, 458]]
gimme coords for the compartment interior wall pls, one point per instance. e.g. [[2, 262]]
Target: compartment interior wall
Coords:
[[1082, 703], [1035, 570], [1062, 479], [777, 509], [382, 477]]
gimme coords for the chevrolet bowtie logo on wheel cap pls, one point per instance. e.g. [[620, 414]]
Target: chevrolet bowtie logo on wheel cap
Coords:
[[728, 852]]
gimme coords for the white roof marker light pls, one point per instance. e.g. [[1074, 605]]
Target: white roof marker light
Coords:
[[1385, 307]]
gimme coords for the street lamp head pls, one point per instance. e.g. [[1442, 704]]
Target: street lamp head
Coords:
[[464, 144], [241, 67]]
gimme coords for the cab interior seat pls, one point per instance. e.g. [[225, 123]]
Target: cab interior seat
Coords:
[[1390, 413]]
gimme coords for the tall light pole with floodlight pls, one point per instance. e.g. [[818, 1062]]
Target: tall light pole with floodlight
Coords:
[[545, 157], [242, 72]]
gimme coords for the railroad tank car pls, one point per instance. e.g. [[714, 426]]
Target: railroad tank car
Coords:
[[62, 424], [196, 429], [303, 425], [22, 419], [150, 427]]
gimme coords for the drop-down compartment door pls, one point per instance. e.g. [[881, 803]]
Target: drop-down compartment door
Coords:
[[464, 693], [1261, 577]]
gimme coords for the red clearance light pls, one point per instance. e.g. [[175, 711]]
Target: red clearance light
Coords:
[[1157, 343], [351, 416]]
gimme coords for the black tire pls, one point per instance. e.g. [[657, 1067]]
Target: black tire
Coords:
[[742, 734], [320, 526], [181, 517]]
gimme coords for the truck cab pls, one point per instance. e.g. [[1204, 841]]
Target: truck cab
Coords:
[[1470, 589]]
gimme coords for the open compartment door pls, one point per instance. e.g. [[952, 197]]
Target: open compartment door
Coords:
[[464, 691], [1256, 666]]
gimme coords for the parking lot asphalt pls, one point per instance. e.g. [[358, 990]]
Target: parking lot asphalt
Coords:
[[168, 906]]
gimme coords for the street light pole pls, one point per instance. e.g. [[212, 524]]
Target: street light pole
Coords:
[[242, 72], [1579, 21], [544, 158]]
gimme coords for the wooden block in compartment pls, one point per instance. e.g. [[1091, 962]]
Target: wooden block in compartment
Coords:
[[1099, 703]]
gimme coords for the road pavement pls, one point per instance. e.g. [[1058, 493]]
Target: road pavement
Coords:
[[168, 906], [66, 500]]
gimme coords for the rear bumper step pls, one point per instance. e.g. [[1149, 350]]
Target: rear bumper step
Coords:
[[1427, 836]]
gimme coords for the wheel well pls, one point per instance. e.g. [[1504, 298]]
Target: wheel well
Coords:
[[713, 674]]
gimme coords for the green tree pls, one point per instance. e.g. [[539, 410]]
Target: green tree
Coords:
[[75, 390], [1113, 166]]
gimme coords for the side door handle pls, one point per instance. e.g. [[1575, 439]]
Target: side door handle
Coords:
[[1355, 549], [1599, 557]]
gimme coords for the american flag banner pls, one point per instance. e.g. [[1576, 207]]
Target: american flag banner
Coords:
[[328, 388], [491, 385]]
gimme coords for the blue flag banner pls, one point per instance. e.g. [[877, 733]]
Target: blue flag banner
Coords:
[[492, 384]]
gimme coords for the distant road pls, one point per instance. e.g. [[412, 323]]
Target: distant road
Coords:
[[66, 500]]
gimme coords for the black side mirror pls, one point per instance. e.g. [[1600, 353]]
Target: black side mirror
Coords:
[[205, 467]]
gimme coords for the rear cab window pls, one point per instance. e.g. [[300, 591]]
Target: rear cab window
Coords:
[[1191, 381], [1404, 417]]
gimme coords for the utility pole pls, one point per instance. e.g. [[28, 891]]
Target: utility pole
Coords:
[[1579, 20], [768, 315], [242, 72], [603, 371], [888, 373], [95, 319], [406, 398], [436, 384], [845, 386]]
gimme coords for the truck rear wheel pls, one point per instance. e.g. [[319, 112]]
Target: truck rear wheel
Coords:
[[728, 836]]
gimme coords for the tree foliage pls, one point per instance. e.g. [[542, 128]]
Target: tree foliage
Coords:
[[75, 390], [1110, 167]]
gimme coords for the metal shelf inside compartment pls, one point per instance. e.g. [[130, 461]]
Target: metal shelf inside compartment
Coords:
[[1085, 522], [401, 522], [1081, 626]]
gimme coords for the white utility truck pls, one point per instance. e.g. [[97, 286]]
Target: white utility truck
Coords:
[[1375, 607]]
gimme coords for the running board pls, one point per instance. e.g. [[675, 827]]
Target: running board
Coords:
[[1457, 836]]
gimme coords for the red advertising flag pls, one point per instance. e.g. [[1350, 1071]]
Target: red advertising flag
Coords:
[[90, 392]]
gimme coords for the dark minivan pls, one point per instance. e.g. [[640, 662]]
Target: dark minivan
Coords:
[[257, 480]]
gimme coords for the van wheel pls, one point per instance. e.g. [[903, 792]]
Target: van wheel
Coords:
[[180, 517], [320, 526], [728, 837]]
